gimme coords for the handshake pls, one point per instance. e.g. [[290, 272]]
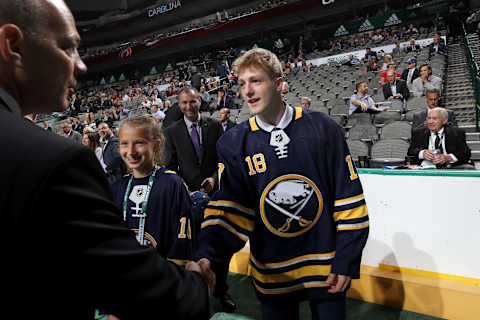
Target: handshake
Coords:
[[202, 266]]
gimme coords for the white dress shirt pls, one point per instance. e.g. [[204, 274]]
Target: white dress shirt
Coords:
[[431, 146]]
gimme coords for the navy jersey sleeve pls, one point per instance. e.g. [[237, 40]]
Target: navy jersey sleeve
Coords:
[[181, 249], [229, 217], [349, 209]]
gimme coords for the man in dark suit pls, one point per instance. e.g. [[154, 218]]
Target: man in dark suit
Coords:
[[224, 118], [172, 114], [432, 98], [369, 53], [190, 149], [439, 144], [411, 73], [65, 247], [395, 88], [224, 100], [412, 47], [111, 160], [436, 47]]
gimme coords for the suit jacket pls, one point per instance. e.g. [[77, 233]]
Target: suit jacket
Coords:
[[181, 156], [230, 125], [226, 102], [75, 136], [415, 75], [420, 116], [418, 86], [455, 143], [172, 115], [65, 247], [441, 50], [116, 168], [410, 48], [401, 88]]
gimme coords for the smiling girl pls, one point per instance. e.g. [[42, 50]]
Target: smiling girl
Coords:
[[154, 201]]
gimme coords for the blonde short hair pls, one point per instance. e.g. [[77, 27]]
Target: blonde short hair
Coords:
[[261, 58]]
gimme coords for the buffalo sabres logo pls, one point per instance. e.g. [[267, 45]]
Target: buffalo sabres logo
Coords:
[[291, 205], [148, 240]]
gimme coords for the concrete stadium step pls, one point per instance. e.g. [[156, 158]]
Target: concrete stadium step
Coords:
[[473, 136], [475, 155], [469, 128], [474, 145]]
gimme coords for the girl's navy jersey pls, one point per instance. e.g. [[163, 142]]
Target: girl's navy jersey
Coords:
[[167, 225], [295, 194]]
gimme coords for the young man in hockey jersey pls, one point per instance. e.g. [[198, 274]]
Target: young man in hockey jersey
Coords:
[[288, 184]]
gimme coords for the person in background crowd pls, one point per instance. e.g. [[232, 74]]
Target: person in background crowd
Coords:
[[412, 47], [91, 140], [383, 75], [224, 100], [69, 133], [396, 51], [32, 117], [432, 99], [438, 144], [411, 73], [53, 189], [224, 117], [286, 165], [305, 102], [46, 126], [437, 47], [426, 79], [368, 54], [111, 161], [362, 102], [372, 65], [157, 113], [395, 88]]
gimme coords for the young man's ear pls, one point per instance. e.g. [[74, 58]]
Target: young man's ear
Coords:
[[11, 42], [278, 83]]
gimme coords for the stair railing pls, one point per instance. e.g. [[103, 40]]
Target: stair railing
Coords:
[[474, 75]]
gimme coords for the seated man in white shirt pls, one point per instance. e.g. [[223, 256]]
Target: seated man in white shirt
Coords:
[[157, 113], [362, 102], [439, 145], [419, 85]]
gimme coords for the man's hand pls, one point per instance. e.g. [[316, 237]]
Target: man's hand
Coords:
[[442, 158], [428, 155], [338, 283], [363, 106], [210, 184], [202, 266]]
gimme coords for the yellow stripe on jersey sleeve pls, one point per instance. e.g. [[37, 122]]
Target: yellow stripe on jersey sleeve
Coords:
[[298, 113], [305, 258], [226, 226], [307, 271], [253, 124], [354, 213], [240, 221], [342, 202], [231, 204]]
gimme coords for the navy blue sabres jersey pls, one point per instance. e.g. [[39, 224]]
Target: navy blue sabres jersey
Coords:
[[296, 195], [167, 225]]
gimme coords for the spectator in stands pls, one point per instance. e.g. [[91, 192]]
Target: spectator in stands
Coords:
[[224, 117], [111, 161], [51, 183], [222, 71], [362, 102], [156, 113], [170, 91], [432, 99], [411, 31], [46, 126], [426, 77], [383, 75], [368, 54], [206, 99], [438, 144], [91, 140], [395, 88], [156, 101], [224, 100], [352, 61], [146, 103], [197, 80], [285, 88], [305, 102], [107, 118], [436, 47], [411, 73], [387, 59], [124, 111], [397, 51], [77, 125], [372, 65], [69, 133], [212, 85], [412, 47]]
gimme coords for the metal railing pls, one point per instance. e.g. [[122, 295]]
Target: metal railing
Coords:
[[474, 75]]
